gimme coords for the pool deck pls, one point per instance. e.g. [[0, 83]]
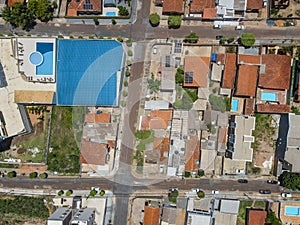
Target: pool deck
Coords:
[[281, 96], [110, 9], [286, 218], [240, 106], [24, 48]]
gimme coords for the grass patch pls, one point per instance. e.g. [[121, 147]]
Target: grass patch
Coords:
[[66, 133], [21, 209], [248, 204]]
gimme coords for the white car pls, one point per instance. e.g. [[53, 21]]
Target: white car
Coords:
[[95, 188], [217, 26], [286, 195], [154, 50], [215, 192], [240, 27]]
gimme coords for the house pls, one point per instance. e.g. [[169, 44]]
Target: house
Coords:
[[194, 218], [246, 81], [204, 7], [158, 119], [173, 216], [196, 71], [229, 61], [61, 216], [254, 5], [98, 117], [151, 214], [229, 206], [225, 211], [229, 9], [192, 153], [240, 138], [84, 216], [256, 217], [173, 7], [84, 7], [167, 74]]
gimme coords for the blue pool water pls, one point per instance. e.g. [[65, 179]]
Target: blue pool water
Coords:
[[110, 14], [292, 211], [268, 96], [46, 67], [235, 105]]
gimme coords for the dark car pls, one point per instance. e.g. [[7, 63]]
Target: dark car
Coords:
[[219, 37], [264, 191], [272, 181], [243, 181]]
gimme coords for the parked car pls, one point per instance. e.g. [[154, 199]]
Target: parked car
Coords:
[[219, 37], [217, 26], [240, 27], [243, 181], [286, 195], [272, 182], [264, 191], [215, 192], [154, 50], [95, 188]]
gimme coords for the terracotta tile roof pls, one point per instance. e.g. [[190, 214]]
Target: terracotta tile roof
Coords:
[[273, 108], [76, 6], [92, 153], [249, 106], [221, 58], [251, 59], [256, 217], [192, 153], [277, 73], [97, 118], [229, 71], [161, 144], [151, 215], [200, 66], [10, 3], [197, 6], [158, 119], [209, 13], [222, 135], [173, 6], [254, 4], [246, 80]]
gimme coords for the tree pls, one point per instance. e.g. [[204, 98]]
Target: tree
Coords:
[[153, 85], [11, 174], [33, 175], [43, 175], [102, 192], [271, 219], [96, 21], [154, 19], [192, 38], [60, 193], [123, 11], [42, 9], [290, 180], [179, 78], [113, 21], [19, 16], [201, 173], [174, 21], [143, 134], [200, 194], [93, 193], [69, 192], [248, 39]]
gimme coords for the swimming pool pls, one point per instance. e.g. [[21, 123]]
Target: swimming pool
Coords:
[[46, 66], [110, 14], [292, 211], [234, 105], [268, 96], [36, 58]]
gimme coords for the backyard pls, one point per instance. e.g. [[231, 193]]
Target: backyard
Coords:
[[66, 133], [291, 11]]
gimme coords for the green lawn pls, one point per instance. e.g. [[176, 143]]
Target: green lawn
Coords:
[[66, 132], [248, 204]]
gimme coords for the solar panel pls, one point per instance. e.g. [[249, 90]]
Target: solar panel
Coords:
[[87, 6], [188, 77], [87, 1], [168, 58], [177, 48]]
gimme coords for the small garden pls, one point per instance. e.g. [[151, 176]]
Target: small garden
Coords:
[[248, 204]]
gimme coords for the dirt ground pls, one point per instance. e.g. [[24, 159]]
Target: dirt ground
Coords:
[[291, 10]]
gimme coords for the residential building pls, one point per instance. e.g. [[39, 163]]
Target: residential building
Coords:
[[151, 213], [195, 218], [84, 216], [196, 71], [61, 216], [84, 7], [256, 216], [229, 61], [173, 216], [225, 211], [240, 138], [230, 9], [167, 74], [205, 8], [254, 5], [173, 7], [192, 153]]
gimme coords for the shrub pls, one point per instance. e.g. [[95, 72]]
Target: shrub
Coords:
[[128, 62], [80, 37], [120, 39], [71, 37], [113, 21], [125, 83], [60, 36], [230, 40], [100, 37], [69, 192], [93, 193], [43, 175], [200, 194], [192, 38], [123, 11], [125, 93], [127, 73], [129, 52], [91, 37], [60, 193], [11, 174], [96, 21], [187, 174], [154, 19], [128, 42], [102, 192], [33, 175], [200, 173]]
